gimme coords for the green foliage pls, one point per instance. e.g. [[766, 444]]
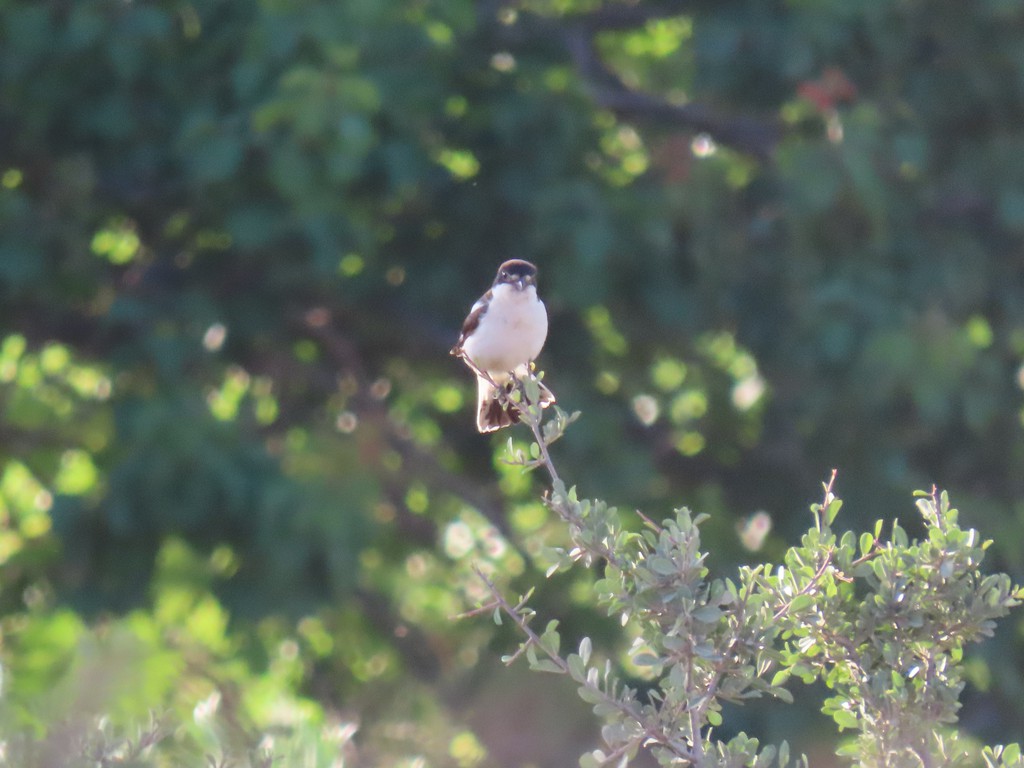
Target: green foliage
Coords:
[[883, 623], [237, 241]]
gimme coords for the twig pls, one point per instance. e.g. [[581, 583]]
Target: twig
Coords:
[[827, 498], [533, 639], [478, 611], [756, 137], [516, 614], [542, 446], [694, 714], [808, 587], [753, 135], [649, 522]]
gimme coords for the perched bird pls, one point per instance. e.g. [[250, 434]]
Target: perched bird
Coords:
[[504, 332]]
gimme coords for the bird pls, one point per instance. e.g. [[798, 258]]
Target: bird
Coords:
[[502, 335]]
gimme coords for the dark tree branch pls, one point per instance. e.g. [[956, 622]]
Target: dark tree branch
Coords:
[[575, 34], [750, 135]]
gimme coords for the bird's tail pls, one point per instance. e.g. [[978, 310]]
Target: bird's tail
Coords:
[[493, 412]]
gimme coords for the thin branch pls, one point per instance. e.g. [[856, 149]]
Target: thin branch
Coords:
[[808, 588], [649, 522], [575, 33], [516, 614], [533, 639], [827, 498], [754, 136], [474, 612], [694, 714], [596, 549]]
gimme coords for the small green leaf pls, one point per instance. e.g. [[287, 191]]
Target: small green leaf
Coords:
[[833, 510], [662, 565], [552, 431], [800, 603], [805, 672], [899, 536], [708, 614], [590, 695], [849, 748], [531, 390], [846, 719], [782, 694], [546, 665], [646, 659], [585, 649], [550, 641], [867, 541], [714, 718], [577, 667]]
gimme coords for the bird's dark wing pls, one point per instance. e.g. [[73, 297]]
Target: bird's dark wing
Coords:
[[471, 322]]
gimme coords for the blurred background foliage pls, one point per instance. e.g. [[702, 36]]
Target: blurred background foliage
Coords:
[[240, 487]]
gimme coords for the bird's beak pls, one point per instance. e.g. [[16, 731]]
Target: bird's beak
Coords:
[[521, 283]]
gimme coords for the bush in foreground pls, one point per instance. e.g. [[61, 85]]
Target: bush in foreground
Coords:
[[881, 619]]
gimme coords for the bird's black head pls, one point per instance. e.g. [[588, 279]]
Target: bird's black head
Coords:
[[518, 273]]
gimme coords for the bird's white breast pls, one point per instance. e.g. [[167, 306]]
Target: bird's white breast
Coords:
[[511, 332]]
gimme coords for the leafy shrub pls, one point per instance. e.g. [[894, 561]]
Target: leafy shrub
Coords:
[[882, 620]]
